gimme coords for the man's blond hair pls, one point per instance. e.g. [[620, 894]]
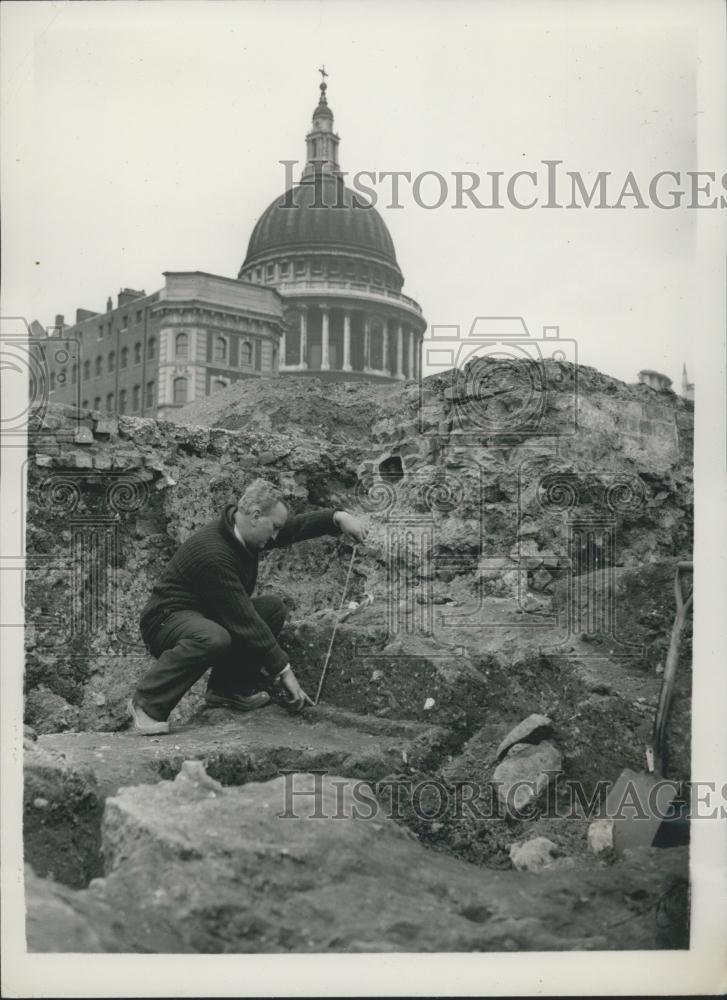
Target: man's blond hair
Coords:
[[260, 495]]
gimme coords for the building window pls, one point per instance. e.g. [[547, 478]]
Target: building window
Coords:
[[258, 273], [284, 269], [84, 404], [86, 370], [151, 349], [220, 349], [74, 373], [180, 390], [111, 329], [246, 353], [181, 345], [110, 401], [122, 401], [97, 403], [99, 365], [100, 331], [139, 315], [350, 269], [52, 381], [124, 357], [112, 361], [316, 267], [270, 270], [218, 384], [136, 397], [149, 401], [300, 267], [125, 322], [137, 353]]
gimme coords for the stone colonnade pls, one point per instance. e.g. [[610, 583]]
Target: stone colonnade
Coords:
[[334, 338]]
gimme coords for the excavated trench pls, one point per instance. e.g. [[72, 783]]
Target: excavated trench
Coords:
[[598, 734]]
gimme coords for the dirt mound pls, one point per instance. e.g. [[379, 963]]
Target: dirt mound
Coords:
[[339, 411]]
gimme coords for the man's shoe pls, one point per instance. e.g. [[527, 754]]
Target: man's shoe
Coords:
[[143, 723], [237, 702]]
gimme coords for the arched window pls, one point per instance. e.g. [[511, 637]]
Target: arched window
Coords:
[[112, 360], [124, 357], [136, 397], [110, 401], [181, 345], [246, 353], [151, 348], [137, 353], [74, 373], [220, 349], [97, 402], [86, 370], [149, 401], [99, 365], [52, 381], [122, 401], [180, 390]]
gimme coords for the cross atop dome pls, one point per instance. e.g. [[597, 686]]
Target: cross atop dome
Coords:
[[322, 109]]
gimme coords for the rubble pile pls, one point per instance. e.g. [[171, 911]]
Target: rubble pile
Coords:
[[506, 624]]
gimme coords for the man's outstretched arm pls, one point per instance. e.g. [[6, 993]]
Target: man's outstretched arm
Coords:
[[298, 527]]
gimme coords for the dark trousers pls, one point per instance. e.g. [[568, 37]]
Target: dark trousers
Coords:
[[186, 644]]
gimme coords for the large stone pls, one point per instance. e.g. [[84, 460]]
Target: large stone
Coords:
[[255, 869], [533, 855], [60, 920], [530, 730], [238, 748], [525, 773]]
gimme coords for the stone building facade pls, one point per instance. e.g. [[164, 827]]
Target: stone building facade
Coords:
[[154, 353]]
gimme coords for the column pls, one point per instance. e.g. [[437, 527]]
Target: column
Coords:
[[399, 351], [411, 353], [347, 341], [325, 362], [303, 356], [385, 347], [367, 344], [282, 360]]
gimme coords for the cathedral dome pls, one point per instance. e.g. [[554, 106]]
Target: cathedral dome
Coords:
[[321, 215]]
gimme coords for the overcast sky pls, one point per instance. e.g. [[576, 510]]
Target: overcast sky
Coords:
[[143, 137]]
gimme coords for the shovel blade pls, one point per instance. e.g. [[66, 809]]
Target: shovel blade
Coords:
[[638, 803]]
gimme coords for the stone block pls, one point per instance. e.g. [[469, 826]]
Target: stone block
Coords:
[[79, 460], [525, 774], [106, 426], [47, 445], [126, 460], [83, 435]]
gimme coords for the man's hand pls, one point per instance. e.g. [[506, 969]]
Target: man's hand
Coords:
[[295, 697], [350, 525]]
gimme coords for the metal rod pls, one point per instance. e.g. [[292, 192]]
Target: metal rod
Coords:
[[335, 626]]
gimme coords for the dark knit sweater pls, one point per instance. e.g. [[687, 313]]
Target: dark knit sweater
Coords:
[[214, 573]]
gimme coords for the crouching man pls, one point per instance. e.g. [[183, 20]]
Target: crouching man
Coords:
[[202, 614]]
